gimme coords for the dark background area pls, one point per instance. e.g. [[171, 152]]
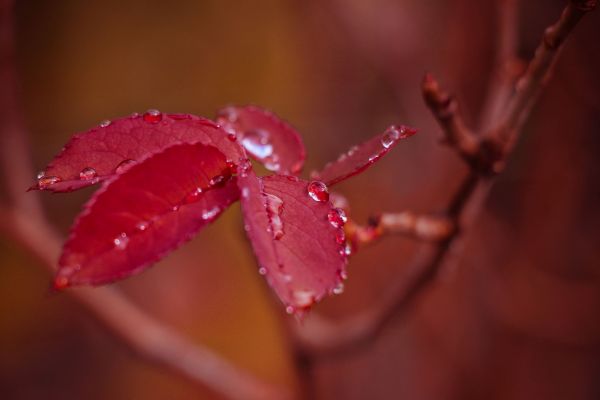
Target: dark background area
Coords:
[[515, 316]]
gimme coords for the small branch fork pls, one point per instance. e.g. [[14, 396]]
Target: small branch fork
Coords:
[[23, 221], [505, 110]]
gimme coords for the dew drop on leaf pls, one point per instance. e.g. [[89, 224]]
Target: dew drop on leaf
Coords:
[[256, 142], [337, 217], [304, 298], [104, 123], [389, 137], [340, 237], [46, 181], [318, 191], [121, 241], [87, 173], [262, 271], [124, 166], [211, 213], [142, 226], [40, 174], [152, 116], [339, 289], [274, 209]]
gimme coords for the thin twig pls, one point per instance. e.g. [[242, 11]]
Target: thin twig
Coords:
[[507, 66], [445, 110], [23, 222], [322, 338]]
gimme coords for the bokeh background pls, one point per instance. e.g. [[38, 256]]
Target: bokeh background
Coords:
[[516, 316]]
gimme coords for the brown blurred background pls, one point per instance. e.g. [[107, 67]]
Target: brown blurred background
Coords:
[[517, 316]]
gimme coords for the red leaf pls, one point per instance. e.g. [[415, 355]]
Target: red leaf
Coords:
[[101, 152], [266, 137], [361, 157], [139, 216], [299, 250]]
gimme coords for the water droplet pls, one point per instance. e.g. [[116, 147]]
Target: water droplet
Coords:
[[274, 209], [303, 298], [318, 191], [292, 178], [340, 237], [175, 207], [352, 150], [87, 173], [244, 167], [256, 142], [287, 278], [272, 163], [41, 174], [245, 193], [124, 166], [152, 116], [337, 217], [121, 241], [343, 274], [135, 115], [105, 123], [142, 226], [231, 167], [339, 289], [348, 249], [46, 181], [262, 271], [389, 137], [232, 136], [193, 197], [290, 310], [219, 180], [227, 114], [60, 282], [210, 214]]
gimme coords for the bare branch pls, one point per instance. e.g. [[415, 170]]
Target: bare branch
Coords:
[[321, 338], [537, 74], [445, 110], [507, 67]]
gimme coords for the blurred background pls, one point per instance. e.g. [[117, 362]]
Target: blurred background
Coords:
[[516, 316]]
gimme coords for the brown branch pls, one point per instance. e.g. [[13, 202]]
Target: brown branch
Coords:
[[322, 338], [536, 76], [445, 110], [507, 67], [23, 222]]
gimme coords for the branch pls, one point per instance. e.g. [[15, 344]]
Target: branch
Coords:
[[445, 110], [322, 338], [537, 74], [24, 222], [507, 67]]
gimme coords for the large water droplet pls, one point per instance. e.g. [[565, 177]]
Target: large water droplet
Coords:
[[256, 142], [303, 298], [153, 116], [389, 137], [105, 123], [337, 217], [318, 191], [46, 181], [121, 241], [87, 173], [124, 166]]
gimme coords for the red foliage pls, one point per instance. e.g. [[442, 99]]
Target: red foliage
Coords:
[[267, 138], [361, 157], [166, 176]]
